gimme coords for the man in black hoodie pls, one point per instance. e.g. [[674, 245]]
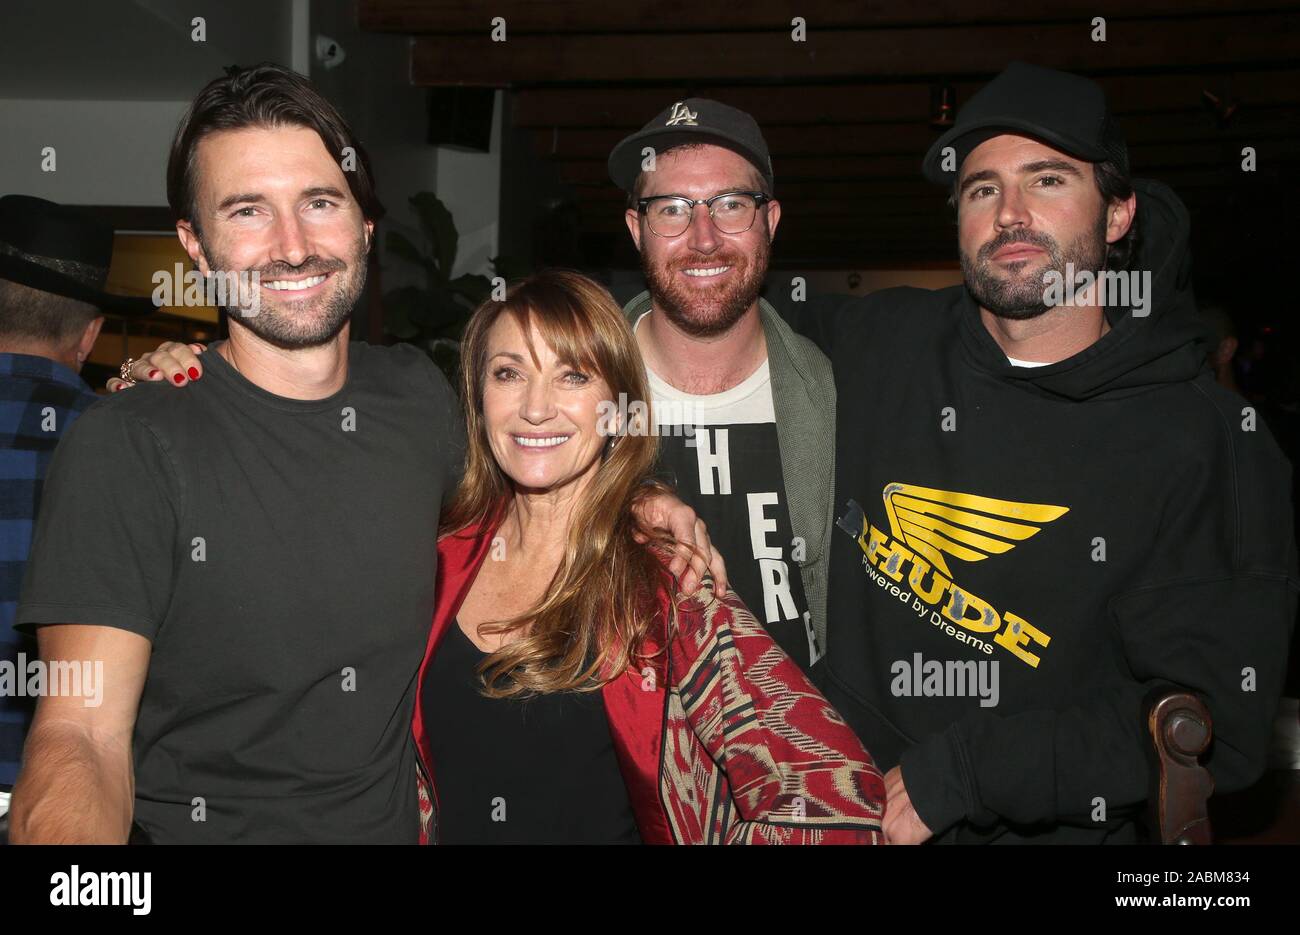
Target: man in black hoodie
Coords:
[[1047, 507]]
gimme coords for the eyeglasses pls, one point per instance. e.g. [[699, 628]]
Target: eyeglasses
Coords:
[[732, 212]]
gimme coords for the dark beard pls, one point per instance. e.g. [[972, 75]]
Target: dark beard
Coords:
[[1018, 298], [707, 313], [293, 325]]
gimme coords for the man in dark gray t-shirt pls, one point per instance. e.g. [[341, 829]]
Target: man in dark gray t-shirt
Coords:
[[245, 568], [278, 555]]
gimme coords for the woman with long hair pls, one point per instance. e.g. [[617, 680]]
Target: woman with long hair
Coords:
[[571, 692]]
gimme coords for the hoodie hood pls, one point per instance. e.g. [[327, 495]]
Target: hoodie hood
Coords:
[[1166, 345]]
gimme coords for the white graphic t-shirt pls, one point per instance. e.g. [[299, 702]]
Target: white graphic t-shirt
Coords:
[[720, 451]]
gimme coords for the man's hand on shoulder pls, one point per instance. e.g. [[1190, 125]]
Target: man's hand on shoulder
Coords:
[[694, 555]]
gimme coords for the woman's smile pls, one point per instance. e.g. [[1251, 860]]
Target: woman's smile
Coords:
[[540, 442]]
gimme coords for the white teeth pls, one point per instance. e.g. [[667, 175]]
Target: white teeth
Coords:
[[540, 442], [712, 271], [284, 285]]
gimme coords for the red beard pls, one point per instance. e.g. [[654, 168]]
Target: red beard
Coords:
[[707, 310]]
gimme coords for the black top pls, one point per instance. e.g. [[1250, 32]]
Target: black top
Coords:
[[1022, 553], [752, 508], [535, 771], [286, 635]]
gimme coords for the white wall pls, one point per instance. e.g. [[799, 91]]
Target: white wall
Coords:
[[113, 151], [469, 184], [105, 83], [106, 152]]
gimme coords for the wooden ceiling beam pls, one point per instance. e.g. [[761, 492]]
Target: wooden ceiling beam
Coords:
[[1190, 42], [909, 138], [851, 189], [1157, 157], [792, 169], [934, 204], [582, 16], [1189, 185], [860, 103]]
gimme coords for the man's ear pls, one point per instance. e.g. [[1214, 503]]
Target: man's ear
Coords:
[[632, 217], [370, 236], [1225, 351], [773, 218], [190, 241], [86, 343], [1119, 217]]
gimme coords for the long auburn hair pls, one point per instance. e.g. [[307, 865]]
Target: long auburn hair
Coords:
[[592, 622]]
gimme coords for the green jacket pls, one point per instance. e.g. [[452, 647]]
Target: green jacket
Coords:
[[803, 396]]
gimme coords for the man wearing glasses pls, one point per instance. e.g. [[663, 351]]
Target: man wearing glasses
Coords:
[[744, 407]]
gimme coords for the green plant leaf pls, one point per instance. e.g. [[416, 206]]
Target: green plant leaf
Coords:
[[397, 318], [446, 354], [472, 286], [434, 317], [400, 246], [440, 228], [445, 309]]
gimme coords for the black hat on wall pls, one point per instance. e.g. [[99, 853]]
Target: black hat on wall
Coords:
[[62, 250], [1065, 111], [694, 120]]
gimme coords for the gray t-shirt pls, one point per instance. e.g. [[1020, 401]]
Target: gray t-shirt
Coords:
[[280, 556]]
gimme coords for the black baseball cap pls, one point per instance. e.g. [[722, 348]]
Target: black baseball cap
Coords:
[[1065, 111], [694, 120]]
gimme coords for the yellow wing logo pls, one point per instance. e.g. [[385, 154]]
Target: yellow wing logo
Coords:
[[965, 526]]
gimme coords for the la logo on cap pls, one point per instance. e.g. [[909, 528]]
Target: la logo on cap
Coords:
[[682, 115]]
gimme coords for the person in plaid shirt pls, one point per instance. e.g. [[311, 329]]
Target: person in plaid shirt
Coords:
[[53, 264]]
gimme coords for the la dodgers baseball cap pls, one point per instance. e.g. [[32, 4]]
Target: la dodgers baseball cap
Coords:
[[694, 120]]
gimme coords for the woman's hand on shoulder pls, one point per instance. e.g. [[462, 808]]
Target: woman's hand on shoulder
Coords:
[[172, 362]]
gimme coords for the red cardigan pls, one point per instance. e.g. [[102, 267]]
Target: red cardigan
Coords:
[[722, 740]]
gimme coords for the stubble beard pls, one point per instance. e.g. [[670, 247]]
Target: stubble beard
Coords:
[[708, 312], [294, 324], [1018, 297]]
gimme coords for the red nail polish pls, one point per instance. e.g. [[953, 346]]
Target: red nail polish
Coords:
[[179, 378], [194, 373], [152, 374]]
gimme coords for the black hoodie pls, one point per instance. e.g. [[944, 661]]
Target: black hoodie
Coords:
[[1102, 526]]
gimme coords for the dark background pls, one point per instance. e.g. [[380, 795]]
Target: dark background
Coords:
[[509, 139], [847, 113]]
